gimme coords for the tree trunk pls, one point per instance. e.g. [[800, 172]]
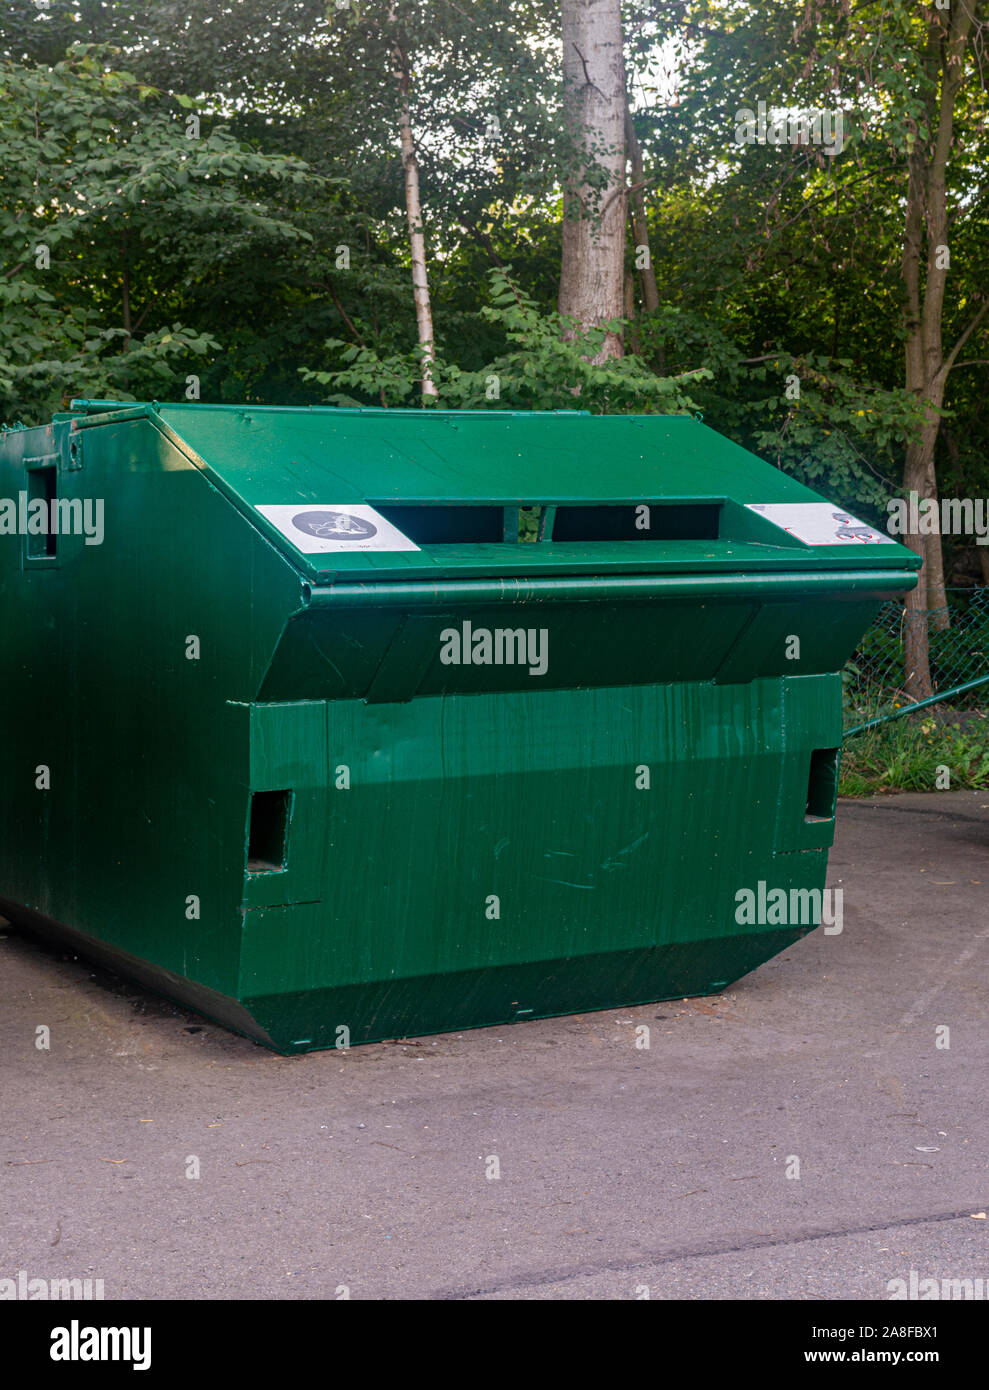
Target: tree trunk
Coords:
[[927, 367], [937, 594], [125, 291], [413, 207], [594, 191], [629, 312], [918, 477], [640, 227], [916, 647]]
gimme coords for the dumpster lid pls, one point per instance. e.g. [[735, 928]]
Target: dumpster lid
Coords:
[[419, 493]]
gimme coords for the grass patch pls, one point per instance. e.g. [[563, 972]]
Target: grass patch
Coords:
[[912, 753]]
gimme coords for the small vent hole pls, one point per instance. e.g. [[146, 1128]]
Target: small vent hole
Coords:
[[42, 486], [822, 785], [268, 836]]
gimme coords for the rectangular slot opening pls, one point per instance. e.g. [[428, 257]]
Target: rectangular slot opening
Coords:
[[267, 841], [42, 485], [530, 523], [822, 785], [446, 525], [687, 521]]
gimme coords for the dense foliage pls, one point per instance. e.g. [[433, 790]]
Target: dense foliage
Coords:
[[210, 201]]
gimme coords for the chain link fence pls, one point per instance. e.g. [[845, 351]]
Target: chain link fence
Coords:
[[874, 679]]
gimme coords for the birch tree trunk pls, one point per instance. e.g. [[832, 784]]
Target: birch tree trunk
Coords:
[[594, 189], [413, 207]]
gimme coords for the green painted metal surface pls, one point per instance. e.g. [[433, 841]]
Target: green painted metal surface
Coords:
[[257, 778]]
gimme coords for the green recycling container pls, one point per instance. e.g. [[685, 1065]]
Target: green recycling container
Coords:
[[340, 725]]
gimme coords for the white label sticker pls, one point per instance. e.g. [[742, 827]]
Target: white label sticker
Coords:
[[318, 527], [819, 523]]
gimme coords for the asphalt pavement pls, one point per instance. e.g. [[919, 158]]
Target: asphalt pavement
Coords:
[[812, 1133]]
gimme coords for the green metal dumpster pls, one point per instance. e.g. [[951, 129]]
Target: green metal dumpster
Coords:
[[302, 732]]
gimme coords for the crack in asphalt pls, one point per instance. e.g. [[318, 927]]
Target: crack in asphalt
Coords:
[[696, 1251], [847, 806]]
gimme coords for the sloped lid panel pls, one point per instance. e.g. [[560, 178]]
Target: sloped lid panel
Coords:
[[272, 455], [425, 493]]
